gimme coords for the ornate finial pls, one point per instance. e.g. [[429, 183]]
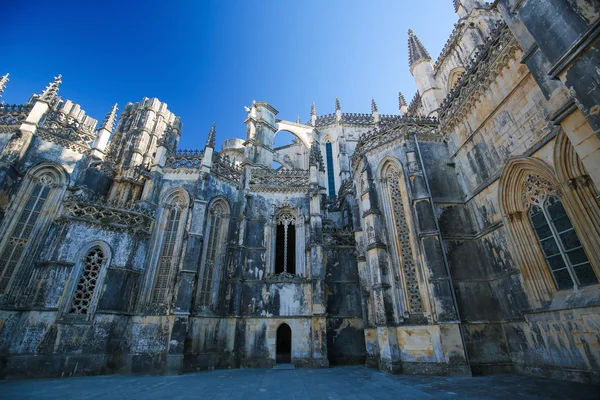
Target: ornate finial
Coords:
[[3, 80], [109, 120], [210, 142], [416, 50], [373, 106], [456, 4], [51, 90], [315, 157], [337, 105], [401, 100], [313, 109], [298, 119]]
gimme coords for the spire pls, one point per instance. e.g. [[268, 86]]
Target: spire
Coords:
[[298, 119], [3, 80], [109, 120], [51, 90], [337, 105], [313, 109], [373, 106], [401, 100], [315, 157], [416, 50], [210, 142]]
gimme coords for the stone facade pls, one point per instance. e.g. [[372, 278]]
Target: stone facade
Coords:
[[459, 236]]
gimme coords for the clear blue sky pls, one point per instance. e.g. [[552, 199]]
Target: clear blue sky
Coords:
[[207, 59]]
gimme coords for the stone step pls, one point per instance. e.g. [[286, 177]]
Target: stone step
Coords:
[[284, 366]]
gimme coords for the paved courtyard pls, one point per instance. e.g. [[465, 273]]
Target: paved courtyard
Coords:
[[334, 383]]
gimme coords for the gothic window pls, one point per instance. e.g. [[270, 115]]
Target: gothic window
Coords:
[[216, 234], [285, 244], [402, 240], [33, 209], [87, 285], [173, 221], [330, 173], [455, 77], [557, 238]]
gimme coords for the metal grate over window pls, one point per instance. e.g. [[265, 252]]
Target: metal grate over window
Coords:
[[403, 239], [212, 255], [167, 259], [562, 249], [21, 233], [88, 281]]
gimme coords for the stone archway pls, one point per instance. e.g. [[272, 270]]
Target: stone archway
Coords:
[[283, 347]]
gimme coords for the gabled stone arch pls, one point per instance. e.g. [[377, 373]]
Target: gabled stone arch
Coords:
[[523, 179]]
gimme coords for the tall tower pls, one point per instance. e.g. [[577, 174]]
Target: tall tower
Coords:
[[464, 7], [421, 67], [142, 128], [260, 134]]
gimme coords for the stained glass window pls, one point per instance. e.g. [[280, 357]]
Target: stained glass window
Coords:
[[330, 173]]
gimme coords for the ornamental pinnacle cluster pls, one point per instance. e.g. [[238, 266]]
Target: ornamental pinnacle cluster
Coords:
[[458, 235]]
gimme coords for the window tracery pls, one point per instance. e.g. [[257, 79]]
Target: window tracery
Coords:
[[285, 257], [169, 251], [402, 234], [27, 221], [213, 258], [85, 290]]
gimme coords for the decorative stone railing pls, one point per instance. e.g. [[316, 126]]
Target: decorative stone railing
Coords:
[[226, 170], [66, 131], [385, 134], [13, 114], [282, 180], [94, 212], [341, 239], [185, 159]]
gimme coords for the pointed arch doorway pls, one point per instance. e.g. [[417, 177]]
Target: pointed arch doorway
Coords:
[[284, 345]]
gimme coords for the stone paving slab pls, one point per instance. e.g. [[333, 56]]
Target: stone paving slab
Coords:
[[347, 383]]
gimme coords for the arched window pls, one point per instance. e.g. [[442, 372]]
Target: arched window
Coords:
[[169, 240], [454, 77], [285, 244], [543, 224], [85, 294], [33, 209], [214, 253], [558, 240], [330, 172], [401, 237]]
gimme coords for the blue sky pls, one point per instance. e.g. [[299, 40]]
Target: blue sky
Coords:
[[207, 59]]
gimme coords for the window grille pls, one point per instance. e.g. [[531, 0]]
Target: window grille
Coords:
[[562, 249], [409, 268], [212, 255], [88, 281], [22, 230], [168, 257]]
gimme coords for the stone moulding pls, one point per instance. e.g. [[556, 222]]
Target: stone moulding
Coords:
[[135, 219], [282, 180], [483, 69], [449, 46]]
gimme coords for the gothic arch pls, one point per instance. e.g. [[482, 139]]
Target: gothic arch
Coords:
[[453, 77], [82, 292], [522, 181], [576, 186], [168, 245], [409, 281], [214, 252], [287, 214], [28, 219]]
